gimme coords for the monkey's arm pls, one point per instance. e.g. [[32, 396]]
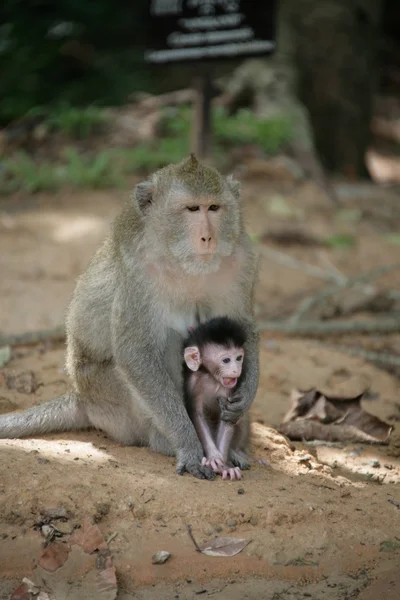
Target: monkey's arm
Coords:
[[239, 403], [139, 355], [242, 398]]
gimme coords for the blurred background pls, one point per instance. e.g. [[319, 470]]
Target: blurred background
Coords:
[[312, 131]]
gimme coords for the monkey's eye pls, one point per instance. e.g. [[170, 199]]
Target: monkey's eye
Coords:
[[239, 358], [226, 360], [193, 208], [213, 207]]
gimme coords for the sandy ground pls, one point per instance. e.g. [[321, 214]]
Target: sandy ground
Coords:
[[324, 528]]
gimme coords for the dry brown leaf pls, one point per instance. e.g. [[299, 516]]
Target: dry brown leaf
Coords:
[[54, 557], [21, 593], [224, 546], [313, 415], [83, 577], [89, 537]]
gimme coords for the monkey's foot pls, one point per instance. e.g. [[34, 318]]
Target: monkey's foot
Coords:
[[196, 469], [239, 460], [215, 462], [231, 472]]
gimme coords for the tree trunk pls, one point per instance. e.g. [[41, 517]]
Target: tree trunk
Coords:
[[334, 46]]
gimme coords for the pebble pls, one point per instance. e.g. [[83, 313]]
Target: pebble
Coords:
[[240, 491], [375, 463], [231, 523], [160, 557]]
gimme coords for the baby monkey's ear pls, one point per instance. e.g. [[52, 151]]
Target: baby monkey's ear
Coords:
[[192, 358]]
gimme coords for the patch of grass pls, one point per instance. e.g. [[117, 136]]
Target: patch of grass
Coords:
[[392, 238], [243, 128], [22, 173], [341, 241], [148, 157], [75, 122], [100, 171], [389, 546]]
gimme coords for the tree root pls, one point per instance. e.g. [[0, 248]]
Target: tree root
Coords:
[[33, 337], [323, 328]]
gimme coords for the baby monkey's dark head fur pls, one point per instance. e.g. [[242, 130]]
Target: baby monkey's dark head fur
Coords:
[[222, 331], [216, 347]]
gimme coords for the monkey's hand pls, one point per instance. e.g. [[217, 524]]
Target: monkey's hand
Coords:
[[217, 464], [191, 463], [214, 461], [231, 472], [233, 408]]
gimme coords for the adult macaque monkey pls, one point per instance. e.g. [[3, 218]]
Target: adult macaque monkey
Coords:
[[177, 255], [213, 365]]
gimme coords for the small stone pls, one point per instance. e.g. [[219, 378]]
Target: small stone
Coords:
[[231, 523], [390, 467], [64, 528], [160, 557], [47, 530], [305, 458], [375, 463], [218, 528], [240, 491], [253, 521], [103, 508]]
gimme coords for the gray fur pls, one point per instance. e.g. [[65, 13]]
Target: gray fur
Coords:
[[131, 309]]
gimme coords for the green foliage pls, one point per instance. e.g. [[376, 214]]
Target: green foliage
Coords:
[[100, 171], [340, 241], [244, 128], [77, 122], [23, 173], [148, 157], [392, 238], [228, 131]]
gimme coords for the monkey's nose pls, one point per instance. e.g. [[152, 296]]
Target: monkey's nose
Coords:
[[206, 239]]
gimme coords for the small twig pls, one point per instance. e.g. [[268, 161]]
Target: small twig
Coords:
[[394, 502], [333, 268], [384, 358], [308, 303], [33, 337], [111, 537], [322, 328], [294, 263], [189, 527]]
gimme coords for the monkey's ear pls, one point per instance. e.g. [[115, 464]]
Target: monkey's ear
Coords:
[[234, 186], [192, 358], [143, 195]]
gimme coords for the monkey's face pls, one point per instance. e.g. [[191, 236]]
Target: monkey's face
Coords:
[[193, 215], [205, 229], [225, 364]]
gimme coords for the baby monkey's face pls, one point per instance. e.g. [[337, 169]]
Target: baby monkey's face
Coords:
[[224, 363]]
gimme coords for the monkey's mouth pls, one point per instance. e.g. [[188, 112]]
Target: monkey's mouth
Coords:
[[229, 382]]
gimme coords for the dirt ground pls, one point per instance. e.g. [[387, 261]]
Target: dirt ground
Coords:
[[327, 527]]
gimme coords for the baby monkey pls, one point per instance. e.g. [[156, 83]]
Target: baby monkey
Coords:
[[213, 365]]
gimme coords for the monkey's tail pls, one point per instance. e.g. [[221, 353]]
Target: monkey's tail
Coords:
[[60, 414]]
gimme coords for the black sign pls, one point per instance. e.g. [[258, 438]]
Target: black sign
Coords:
[[194, 30]]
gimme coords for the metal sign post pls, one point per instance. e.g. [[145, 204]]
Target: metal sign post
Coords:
[[187, 31]]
